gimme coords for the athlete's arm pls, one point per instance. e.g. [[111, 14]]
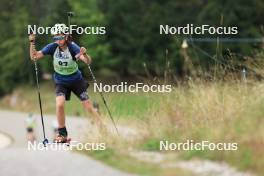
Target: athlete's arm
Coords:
[[84, 56], [34, 55]]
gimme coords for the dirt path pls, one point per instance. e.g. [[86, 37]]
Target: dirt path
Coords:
[[198, 167]]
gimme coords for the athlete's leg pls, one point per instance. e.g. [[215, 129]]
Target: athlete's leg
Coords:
[[60, 102], [62, 131], [63, 93], [87, 104], [80, 90]]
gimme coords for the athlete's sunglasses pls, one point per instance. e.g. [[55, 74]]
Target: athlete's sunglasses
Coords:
[[55, 38]]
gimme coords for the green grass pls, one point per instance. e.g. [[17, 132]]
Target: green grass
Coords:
[[151, 144], [122, 105]]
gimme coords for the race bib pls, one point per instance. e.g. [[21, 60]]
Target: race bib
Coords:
[[63, 62]]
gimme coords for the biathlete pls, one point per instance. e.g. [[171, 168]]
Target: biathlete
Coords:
[[67, 77]]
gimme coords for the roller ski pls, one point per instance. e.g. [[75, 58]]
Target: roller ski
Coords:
[[60, 139]]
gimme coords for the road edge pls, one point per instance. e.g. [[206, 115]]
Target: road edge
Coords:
[[10, 140]]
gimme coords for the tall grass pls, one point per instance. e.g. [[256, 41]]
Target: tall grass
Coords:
[[217, 112], [230, 112]]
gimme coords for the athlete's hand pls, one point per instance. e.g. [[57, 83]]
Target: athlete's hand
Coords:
[[82, 51], [83, 56], [32, 37]]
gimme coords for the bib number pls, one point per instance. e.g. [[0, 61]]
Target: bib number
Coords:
[[63, 63]]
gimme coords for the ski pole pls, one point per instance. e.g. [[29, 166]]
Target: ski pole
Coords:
[[45, 141], [102, 96]]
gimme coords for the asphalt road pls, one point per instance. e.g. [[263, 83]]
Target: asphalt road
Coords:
[[16, 159]]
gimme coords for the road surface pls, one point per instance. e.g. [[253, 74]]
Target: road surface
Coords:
[[16, 159]]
